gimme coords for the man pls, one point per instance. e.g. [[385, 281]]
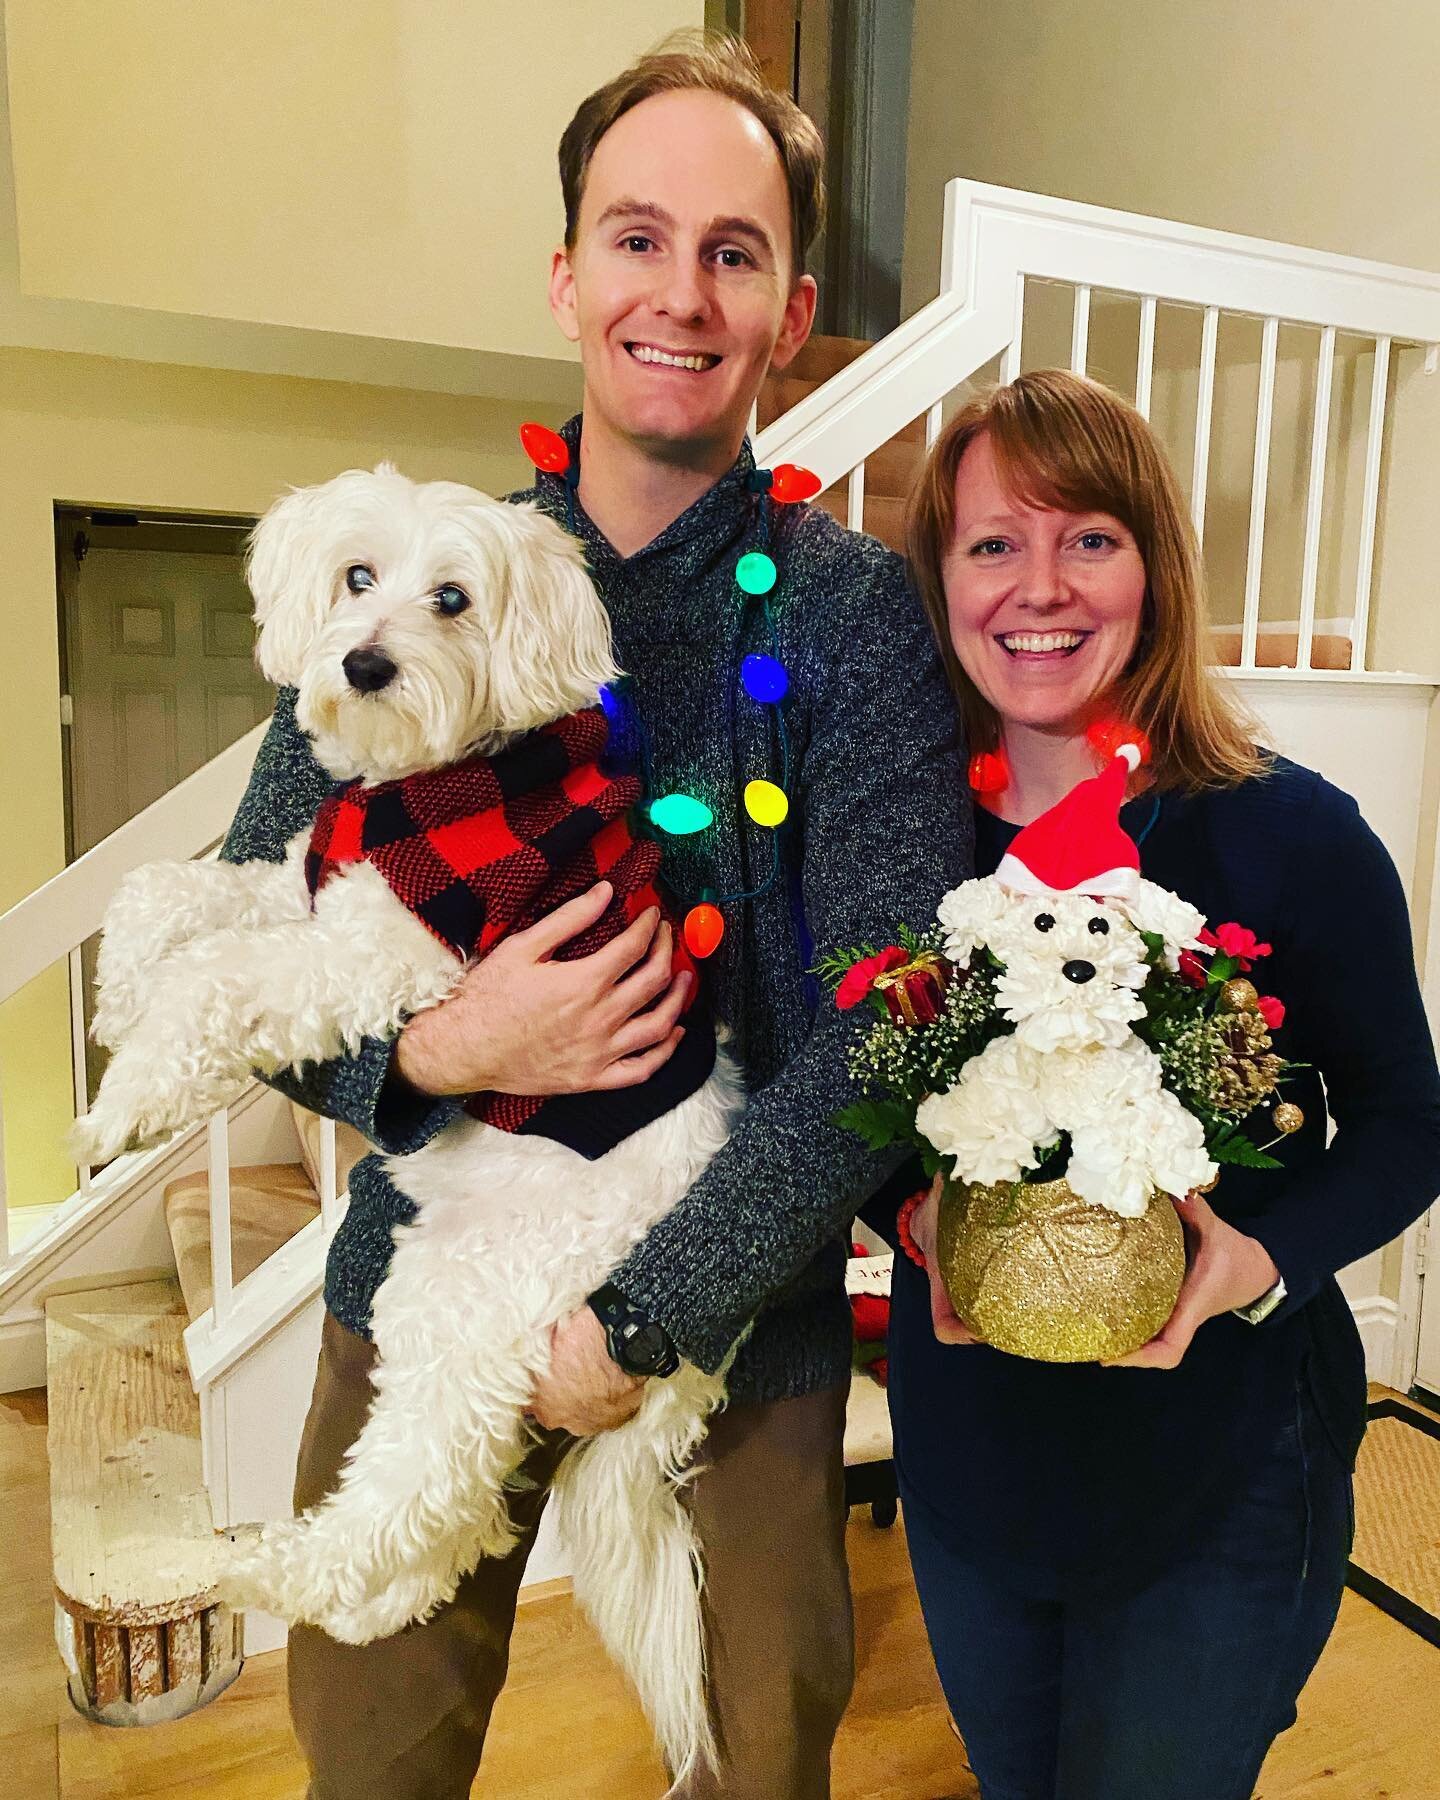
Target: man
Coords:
[[692, 194]]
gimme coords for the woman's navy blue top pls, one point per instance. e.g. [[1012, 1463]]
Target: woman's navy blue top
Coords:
[[1071, 1478]]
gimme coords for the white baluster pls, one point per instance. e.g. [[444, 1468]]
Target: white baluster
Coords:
[[1370, 505], [1145, 356], [1080, 331], [934, 420], [1010, 362], [329, 1186], [1259, 483], [80, 1075], [855, 502], [1315, 499], [1204, 409], [222, 1282]]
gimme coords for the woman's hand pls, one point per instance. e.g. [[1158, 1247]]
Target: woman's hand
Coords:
[[1226, 1269], [950, 1328], [522, 1023]]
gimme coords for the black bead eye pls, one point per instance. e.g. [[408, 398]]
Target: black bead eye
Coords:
[[358, 578], [1101, 927], [451, 600], [1044, 921]]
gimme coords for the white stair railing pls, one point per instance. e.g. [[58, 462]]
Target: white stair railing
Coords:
[[998, 241], [51, 924]]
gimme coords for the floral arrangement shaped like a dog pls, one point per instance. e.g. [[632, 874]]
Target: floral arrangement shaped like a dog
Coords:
[[448, 651], [1077, 1052]]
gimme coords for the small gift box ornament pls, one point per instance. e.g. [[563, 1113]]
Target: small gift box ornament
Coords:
[[914, 993]]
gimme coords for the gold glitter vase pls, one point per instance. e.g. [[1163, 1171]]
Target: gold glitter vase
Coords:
[[1041, 1273]]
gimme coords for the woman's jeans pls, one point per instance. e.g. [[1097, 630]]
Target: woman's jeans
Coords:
[[1172, 1693]]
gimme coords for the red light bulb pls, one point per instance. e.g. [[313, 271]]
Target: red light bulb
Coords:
[[545, 448], [704, 928], [789, 483]]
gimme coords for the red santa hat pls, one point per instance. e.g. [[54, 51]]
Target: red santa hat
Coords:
[[1079, 846]]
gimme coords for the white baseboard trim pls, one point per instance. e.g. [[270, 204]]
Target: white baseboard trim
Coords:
[[1377, 1316], [22, 1353]]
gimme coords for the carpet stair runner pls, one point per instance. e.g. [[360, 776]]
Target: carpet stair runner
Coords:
[[132, 1535]]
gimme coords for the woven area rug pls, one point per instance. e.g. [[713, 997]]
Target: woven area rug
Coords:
[[1395, 1563]]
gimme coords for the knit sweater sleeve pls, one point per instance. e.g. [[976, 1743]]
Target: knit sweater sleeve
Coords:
[[285, 790], [879, 803], [1352, 992]]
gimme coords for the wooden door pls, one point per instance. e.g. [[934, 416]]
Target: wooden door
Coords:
[[161, 670]]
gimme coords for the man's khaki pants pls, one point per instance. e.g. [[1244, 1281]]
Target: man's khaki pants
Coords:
[[405, 1718]]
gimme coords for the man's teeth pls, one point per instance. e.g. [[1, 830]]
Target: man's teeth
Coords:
[[1040, 641], [646, 353]]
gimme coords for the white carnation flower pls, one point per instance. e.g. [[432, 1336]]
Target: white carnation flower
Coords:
[[968, 914], [1156, 909]]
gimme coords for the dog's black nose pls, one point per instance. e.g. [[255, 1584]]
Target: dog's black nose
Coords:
[[368, 670], [1078, 972]]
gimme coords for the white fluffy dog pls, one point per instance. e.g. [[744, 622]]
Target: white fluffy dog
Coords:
[[1073, 969], [490, 628]]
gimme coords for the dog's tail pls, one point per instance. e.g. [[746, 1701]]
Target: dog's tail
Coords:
[[636, 1561]]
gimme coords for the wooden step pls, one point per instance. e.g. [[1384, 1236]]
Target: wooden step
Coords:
[[1279, 649], [820, 357], [269, 1203], [350, 1146], [134, 1547], [884, 516]]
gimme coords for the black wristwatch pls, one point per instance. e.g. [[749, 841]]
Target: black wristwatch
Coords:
[[635, 1342]]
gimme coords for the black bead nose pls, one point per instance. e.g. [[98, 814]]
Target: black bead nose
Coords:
[[368, 670], [1078, 972]]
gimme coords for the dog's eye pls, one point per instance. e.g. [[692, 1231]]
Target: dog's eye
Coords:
[[1101, 927], [451, 600], [1044, 921], [358, 578]]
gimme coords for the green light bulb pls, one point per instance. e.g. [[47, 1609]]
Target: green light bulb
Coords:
[[680, 814], [755, 573]]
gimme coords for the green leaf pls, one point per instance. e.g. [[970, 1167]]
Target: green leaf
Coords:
[[1230, 1145], [878, 1122]]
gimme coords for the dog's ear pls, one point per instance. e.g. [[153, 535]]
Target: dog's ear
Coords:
[[551, 653], [290, 568]]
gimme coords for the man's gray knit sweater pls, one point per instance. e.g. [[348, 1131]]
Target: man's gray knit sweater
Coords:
[[878, 829]]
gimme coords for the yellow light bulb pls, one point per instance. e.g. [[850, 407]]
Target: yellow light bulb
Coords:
[[766, 803]]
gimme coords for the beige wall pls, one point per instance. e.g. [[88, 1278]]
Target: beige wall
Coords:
[[92, 431], [1302, 120], [385, 168]]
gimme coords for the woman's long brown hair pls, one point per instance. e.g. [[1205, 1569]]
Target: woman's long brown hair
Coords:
[[1064, 441]]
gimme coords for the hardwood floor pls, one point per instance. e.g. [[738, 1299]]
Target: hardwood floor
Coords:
[[566, 1729]]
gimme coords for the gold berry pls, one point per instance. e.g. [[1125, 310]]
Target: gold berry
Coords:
[[1288, 1117], [1239, 996]]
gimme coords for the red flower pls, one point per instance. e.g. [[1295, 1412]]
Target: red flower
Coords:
[[1237, 941], [860, 976], [1192, 970], [1271, 1010]]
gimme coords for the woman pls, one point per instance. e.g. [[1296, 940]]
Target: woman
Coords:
[[1128, 1572]]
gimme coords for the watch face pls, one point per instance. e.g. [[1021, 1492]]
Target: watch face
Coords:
[[645, 1349]]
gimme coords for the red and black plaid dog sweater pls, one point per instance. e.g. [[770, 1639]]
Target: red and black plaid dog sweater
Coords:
[[492, 844]]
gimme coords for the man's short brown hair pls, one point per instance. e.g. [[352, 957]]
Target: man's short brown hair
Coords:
[[711, 63]]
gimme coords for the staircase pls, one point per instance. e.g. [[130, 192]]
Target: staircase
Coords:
[[133, 1527], [890, 471], [173, 1302]]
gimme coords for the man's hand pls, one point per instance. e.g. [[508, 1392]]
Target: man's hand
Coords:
[[522, 1023], [1226, 1269], [584, 1390], [950, 1328]]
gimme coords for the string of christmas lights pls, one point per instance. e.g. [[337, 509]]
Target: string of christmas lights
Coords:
[[762, 676]]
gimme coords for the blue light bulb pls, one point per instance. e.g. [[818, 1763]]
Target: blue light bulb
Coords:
[[764, 678]]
